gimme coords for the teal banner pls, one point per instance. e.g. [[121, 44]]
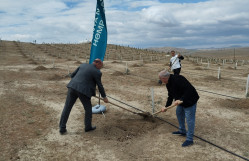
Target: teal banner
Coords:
[[99, 40]]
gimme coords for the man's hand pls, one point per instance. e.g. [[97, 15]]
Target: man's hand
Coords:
[[106, 100], [163, 109]]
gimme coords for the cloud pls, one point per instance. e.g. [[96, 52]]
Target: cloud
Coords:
[[139, 23]]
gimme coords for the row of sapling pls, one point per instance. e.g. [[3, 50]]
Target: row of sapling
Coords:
[[42, 58]]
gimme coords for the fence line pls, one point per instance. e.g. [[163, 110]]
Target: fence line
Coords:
[[196, 88], [221, 75]]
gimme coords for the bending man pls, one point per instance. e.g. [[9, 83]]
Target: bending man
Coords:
[[83, 86], [180, 89]]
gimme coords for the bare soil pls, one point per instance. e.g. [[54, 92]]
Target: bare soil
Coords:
[[33, 93]]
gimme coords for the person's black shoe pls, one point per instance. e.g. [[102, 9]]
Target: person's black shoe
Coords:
[[187, 143], [90, 129], [63, 131], [179, 133]]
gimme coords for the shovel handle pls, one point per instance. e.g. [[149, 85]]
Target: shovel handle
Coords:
[[157, 112], [167, 108], [117, 105]]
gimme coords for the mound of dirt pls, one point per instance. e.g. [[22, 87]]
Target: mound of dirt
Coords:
[[40, 68], [127, 129], [230, 67], [33, 62], [137, 65], [55, 77], [117, 73], [198, 68], [77, 62], [115, 61], [235, 104], [211, 78]]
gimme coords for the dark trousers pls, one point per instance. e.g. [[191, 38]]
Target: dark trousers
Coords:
[[177, 71], [72, 96]]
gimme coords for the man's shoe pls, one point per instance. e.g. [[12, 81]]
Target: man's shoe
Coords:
[[179, 133], [90, 129], [63, 131], [187, 143]]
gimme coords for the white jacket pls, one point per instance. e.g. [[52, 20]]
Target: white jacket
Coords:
[[175, 62]]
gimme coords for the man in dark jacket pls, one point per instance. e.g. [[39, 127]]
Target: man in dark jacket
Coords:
[[83, 86], [186, 97]]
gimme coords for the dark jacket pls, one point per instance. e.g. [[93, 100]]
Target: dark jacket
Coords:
[[84, 80], [179, 88]]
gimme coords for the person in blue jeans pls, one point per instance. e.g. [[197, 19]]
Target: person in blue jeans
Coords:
[[186, 97]]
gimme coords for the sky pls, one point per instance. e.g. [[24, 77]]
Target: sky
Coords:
[[186, 24]]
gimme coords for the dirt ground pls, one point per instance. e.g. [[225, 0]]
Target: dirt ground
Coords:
[[33, 91]]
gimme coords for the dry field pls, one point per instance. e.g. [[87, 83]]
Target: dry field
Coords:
[[33, 80]]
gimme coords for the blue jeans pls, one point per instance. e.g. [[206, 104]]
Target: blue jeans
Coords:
[[189, 114]]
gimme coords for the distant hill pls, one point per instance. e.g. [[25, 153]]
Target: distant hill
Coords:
[[231, 52], [168, 49]]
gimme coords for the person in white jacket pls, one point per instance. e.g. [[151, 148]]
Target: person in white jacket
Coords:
[[175, 62]]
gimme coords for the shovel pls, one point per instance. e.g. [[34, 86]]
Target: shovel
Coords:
[[171, 106], [144, 114]]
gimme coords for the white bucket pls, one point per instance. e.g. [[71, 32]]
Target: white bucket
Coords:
[[98, 109]]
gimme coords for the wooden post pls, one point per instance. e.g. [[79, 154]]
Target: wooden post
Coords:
[[236, 64], [68, 69], [219, 73], [53, 63], [44, 59], [126, 68], [243, 62], [152, 100], [247, 86]]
